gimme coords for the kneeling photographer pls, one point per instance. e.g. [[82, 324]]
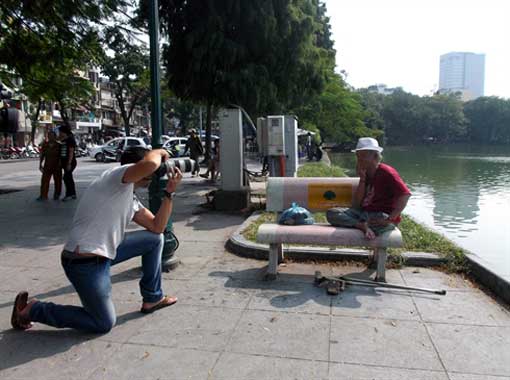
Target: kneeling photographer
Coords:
[[98, 240]]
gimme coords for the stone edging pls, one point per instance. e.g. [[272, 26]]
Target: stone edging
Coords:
[[240, 246], [481, 271]]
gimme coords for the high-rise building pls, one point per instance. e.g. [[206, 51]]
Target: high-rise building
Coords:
[[463, 73]]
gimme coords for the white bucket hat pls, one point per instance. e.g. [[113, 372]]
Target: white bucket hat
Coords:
[[367, 143]]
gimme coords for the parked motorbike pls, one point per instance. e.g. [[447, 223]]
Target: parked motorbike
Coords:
[[111, 154]]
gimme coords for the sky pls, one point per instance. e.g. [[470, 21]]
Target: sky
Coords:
[[398, 42]]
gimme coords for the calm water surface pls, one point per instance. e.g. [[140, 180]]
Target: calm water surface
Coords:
[[461, 191]]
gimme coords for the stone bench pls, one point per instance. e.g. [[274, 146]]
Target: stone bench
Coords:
[[318, 194]]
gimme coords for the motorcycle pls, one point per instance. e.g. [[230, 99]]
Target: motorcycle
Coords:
[[111, 154]]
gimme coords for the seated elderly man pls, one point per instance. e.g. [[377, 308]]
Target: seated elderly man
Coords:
[[380, 197]]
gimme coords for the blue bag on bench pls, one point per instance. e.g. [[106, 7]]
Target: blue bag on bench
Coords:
[[295, 216]]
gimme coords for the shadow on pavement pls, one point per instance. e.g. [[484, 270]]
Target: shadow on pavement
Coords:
[[127, 275], [299, 289]]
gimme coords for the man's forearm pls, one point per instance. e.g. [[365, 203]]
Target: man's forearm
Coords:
[[162, 216], [400, 205]]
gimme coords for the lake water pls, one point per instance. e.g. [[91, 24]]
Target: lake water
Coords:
[[462, 192]]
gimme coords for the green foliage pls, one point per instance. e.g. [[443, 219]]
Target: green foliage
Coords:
[[410, 119], [320, 169], [47, 43], [337, 113], [127, 70], [267, 56], [489, 120]]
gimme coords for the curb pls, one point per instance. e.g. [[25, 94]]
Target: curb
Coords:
[[240, 246], [481, 271]]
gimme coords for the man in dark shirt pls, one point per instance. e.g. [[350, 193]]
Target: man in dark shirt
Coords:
[[194, 145], [68, 160], [381, 195]]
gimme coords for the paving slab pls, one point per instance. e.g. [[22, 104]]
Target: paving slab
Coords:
[[212, 292], [257, 367], [282, 335], [193, 327], [51, 355], [426, 277], [473, 349], [363, 372], [382, 342], [375, 303], [473, 307], [137, 362], [303, 298], [463, 376]]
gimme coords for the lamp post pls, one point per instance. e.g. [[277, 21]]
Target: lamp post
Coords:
[[158, 185]]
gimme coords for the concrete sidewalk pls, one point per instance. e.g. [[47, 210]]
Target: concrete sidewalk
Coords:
[[229, 324]]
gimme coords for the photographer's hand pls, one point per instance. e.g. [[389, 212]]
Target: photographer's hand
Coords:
[[174, 179]]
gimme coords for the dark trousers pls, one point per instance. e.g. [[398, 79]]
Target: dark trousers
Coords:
[[49, 171], [68, 180], [196, 158]]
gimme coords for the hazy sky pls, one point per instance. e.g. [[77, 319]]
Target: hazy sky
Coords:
[[398, 42]]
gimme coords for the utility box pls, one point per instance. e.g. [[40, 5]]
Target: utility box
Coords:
[[231, 162], [232, 195], [276, 135], [291, 146]]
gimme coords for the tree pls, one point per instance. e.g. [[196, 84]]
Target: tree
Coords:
[[445, 121], [262, 55], [46, 44], [488, 120], [337, 114], [128, 71]]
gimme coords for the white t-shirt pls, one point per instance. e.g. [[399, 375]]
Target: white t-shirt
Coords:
[[104, 212]]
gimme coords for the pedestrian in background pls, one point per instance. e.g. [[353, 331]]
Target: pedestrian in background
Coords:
[[194, 145], [49, 165], [213, 166], [68, 160]]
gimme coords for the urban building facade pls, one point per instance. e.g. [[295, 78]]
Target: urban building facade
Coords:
[[463, 73], [100, 117]]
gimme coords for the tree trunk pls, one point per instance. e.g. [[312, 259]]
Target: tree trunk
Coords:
[[63, 113], [35, 122], [126, 123], [208, 128]]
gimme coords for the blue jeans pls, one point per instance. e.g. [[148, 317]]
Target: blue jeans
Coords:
[[349, 217], [92, 282]]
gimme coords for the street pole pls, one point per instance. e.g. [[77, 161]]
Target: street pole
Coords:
[[158, 185], [200, 122]]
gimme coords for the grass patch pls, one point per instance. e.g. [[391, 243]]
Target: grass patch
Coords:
[[416, 238], [320, 169], [420, 238]]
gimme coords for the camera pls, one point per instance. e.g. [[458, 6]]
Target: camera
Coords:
[[185, 165]]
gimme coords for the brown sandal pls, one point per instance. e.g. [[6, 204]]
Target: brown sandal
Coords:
[[165, 302], [20, 302]]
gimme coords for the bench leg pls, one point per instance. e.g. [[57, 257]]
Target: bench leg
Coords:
[[280, 253], [380, 255], [274, 253]]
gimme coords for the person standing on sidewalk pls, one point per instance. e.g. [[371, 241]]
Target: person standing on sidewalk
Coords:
[[49, 165], [194, 145], [68, 160], [98, 240]]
